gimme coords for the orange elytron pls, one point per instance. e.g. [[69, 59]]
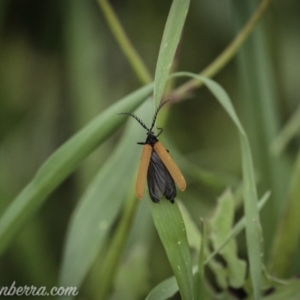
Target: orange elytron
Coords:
[[157, 166]]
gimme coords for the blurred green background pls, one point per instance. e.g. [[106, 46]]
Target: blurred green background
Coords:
[[61, 66]]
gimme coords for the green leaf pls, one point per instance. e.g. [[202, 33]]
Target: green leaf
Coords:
[[253, 230], [220, 225], [164, 290], [291, 291], [286, 245], [63, 162], [200, 288], [239, 226], [171, 229], [260, 102], [101, 203], [168, 46], [220, 273], [194, 239], [290, 130], [193, 233], [169, 287]]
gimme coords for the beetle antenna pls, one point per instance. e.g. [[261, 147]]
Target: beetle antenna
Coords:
[[135, 117], [156, 112]]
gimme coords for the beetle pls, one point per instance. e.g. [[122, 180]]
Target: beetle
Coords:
[[157, 166]]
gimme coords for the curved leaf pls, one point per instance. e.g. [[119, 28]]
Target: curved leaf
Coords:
[[171, 229], [63, 162], [100, 205], [169, 287], [168, 46], [253, 230]]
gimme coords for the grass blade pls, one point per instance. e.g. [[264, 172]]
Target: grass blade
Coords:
[[250, 193], [169, 287], [221, 225], [290, 130], [116, 247], [260, 100], [286, 245], [63, 162], [239, 226], [100, 205], [124, 42], [200, 290], [171, 229], [168, 46], [164, 290]]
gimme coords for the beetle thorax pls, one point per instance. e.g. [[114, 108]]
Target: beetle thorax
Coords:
[[151, 138]]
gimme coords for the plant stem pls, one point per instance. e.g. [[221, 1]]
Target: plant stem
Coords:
[[285, 135], [125, 44], [222, 60], [116, 246], [288, 233]]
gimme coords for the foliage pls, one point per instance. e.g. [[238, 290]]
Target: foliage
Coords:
[[61, 143]]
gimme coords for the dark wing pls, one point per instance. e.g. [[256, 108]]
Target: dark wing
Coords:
[[159, 180], [170, 191]]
